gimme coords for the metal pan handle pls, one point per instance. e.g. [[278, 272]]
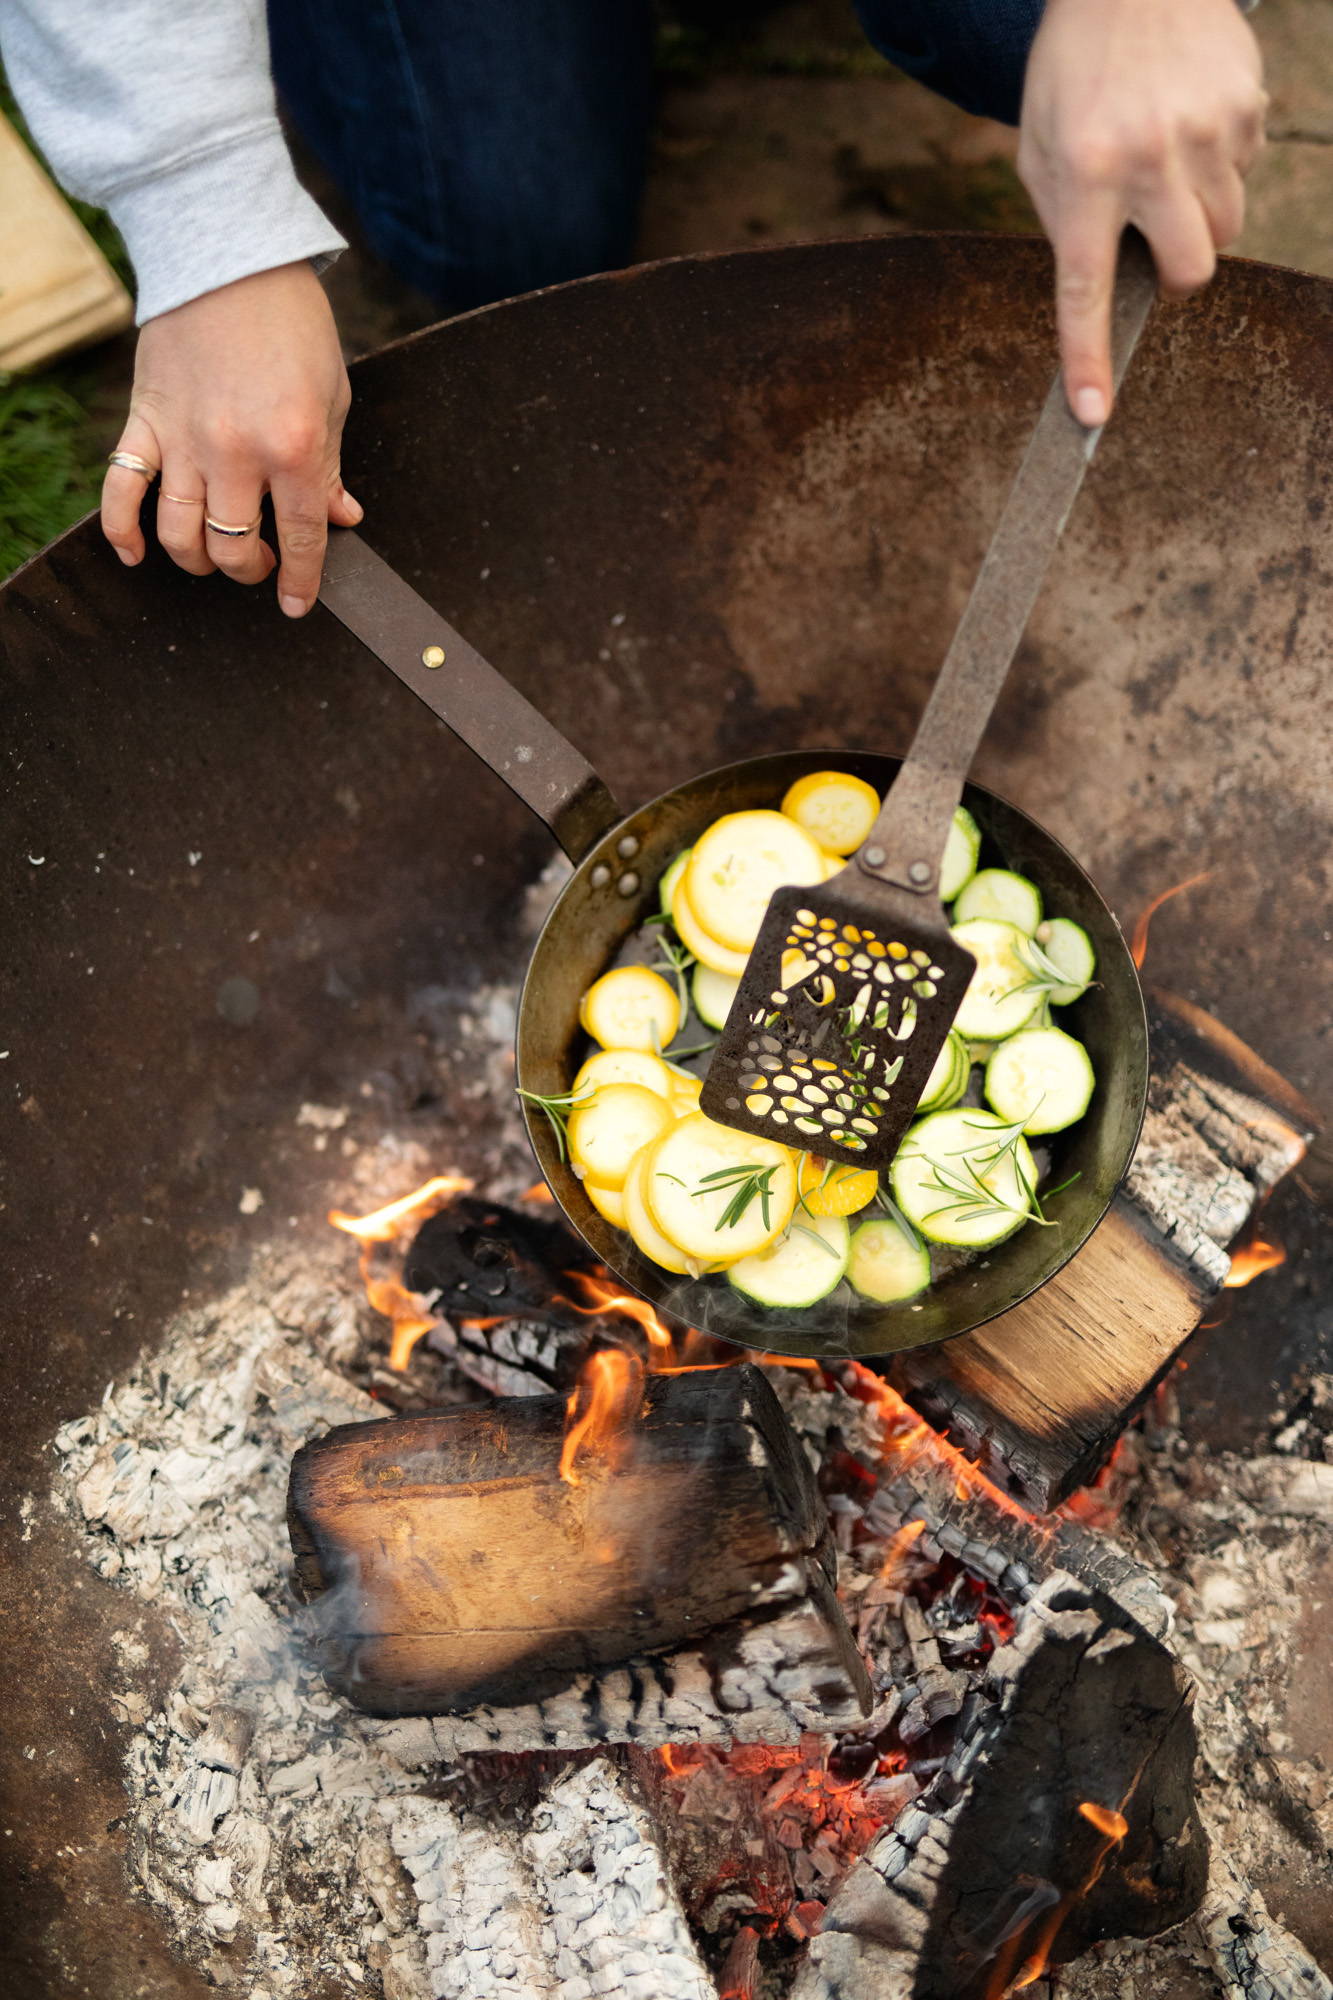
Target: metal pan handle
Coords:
[[906, 843], [467, 693]]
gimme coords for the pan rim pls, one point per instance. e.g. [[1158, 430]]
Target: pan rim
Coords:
[[610, 1245]]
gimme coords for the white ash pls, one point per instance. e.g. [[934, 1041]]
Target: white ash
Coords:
[[476, 1904], [576, 1906], [249, 1793], [616, 1927]]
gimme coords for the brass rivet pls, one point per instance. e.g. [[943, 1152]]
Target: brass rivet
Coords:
[[433, 656]]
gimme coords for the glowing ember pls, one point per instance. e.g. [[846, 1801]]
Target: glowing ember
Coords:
[[602, 1408], [1253, 1261], [602, 1297], [1138, 947], [382, 1225], [905, 1432], [1106, 1819]]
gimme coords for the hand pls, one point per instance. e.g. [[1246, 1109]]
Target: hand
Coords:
[[1142, 111], [238, 393]]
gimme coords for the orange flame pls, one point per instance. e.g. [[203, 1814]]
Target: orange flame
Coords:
[[905, 1430], [383, 1224], [1106, 1819], [386, 1295], [602, 1297], [895, 1554], [538, 1192], [1138, 946], [602, 1407], [1113, 1826], [1252, 1261], [680, 1759]]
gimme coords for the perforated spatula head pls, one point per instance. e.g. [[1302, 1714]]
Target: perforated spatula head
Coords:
[[854, 983], [843, 1009]]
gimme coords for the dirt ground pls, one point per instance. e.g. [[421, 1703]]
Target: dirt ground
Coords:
[[791, 128]]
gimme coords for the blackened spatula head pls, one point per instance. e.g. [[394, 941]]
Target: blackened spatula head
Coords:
[[840, 1016]]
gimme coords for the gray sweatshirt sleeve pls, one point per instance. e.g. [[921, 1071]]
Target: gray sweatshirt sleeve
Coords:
[[163, 113]]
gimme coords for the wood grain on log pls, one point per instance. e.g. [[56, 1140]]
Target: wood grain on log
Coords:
[[453, 1568], [1040, 1394]]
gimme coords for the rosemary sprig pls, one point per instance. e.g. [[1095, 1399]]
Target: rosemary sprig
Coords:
[[800, 1229], [676, 960], [1046, 973], [972, 1196], [557, 1109], [969, 1198], [693, 1049], [749, 1183], [1007, 1138], [830, 1168]]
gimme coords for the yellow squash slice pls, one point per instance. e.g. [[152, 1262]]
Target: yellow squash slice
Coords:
[[834, 808], [607, 1131], [625, 1066], [687, 1205], [630, 1008], [696, 939], [737, 864], [608, 1201]]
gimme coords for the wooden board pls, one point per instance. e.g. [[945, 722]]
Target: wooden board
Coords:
[[1039, 1395], [57, 290]]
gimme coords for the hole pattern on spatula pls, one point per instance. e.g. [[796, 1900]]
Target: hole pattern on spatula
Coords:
[[806, 1070]]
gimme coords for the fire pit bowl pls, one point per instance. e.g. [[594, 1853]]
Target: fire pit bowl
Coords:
[[592, 920], [243, 874]]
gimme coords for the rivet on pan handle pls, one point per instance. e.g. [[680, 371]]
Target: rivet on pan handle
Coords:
[[466, 693]]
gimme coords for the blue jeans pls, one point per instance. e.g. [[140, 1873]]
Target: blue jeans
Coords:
[[491, 146]]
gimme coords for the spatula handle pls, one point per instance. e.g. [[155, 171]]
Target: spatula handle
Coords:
[[906, 844]]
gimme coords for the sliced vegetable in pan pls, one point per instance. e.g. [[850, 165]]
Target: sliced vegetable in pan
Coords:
[[787, 1228]]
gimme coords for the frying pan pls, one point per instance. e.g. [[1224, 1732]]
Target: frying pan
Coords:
[[598, 918]]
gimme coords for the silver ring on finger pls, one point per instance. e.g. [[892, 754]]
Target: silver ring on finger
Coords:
[[132, 462], [182, 499], [229, 528]]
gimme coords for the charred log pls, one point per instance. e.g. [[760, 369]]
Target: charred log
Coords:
[[687, 1587], [1254, 1956], [1064, 1814], [477, 1259], [1040, 1395]]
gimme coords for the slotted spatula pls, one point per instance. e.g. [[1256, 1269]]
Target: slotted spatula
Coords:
[[853, 984]]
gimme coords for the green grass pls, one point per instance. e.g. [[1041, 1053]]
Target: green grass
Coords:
[[51, 464], [53, 436]]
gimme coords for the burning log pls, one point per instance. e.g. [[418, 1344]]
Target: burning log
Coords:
[[1040, 1395], [682, 1594], [1086, 1721]]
